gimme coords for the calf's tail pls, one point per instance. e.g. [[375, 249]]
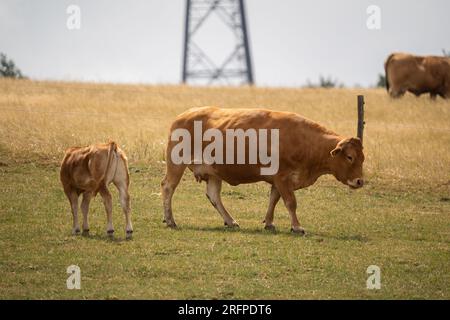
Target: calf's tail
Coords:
[[111, 150]]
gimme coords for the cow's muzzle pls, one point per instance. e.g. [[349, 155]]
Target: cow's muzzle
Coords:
[[355, 183]]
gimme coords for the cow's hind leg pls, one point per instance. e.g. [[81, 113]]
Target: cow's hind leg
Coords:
[[107, 201], [168, 186], [87, 196], [72, 195], [273, 200], [213, 188], [396, 92]]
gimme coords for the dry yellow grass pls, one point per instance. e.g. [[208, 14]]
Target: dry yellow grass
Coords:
[[407, 141]]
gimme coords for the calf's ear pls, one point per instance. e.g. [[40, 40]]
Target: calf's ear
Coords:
[[335, 151]]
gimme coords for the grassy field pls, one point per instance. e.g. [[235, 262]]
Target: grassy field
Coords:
[[400, 221]]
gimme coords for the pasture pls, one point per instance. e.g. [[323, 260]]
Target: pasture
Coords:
[[400, 220]]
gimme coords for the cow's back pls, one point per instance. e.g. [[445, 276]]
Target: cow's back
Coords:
[[257, 118]]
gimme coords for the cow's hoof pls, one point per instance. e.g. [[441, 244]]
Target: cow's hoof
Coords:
[[85, 232], [76, 231], [171, 225], [233, 224], [110, 233], [270, 228], [300, 231], [129, 234]]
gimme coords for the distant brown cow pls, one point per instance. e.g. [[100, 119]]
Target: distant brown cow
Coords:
[[89, 170], [306, 151], [416, 74]]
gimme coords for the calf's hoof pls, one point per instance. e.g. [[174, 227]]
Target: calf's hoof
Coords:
[[270, 228], [85, 232], [76, 231], [129, 234], [300, 231], [110, 233]]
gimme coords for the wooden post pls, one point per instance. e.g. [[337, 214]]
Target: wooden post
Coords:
[[361, 122]]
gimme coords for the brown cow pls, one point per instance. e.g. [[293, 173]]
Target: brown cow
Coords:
[[89, 170], [416, 74], [306, 151]]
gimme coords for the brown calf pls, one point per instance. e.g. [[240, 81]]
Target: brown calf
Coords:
[[89, 170]]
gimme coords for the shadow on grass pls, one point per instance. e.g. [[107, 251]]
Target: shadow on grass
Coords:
[[341, 237], [310, 235], [104, 237], [221, 229]]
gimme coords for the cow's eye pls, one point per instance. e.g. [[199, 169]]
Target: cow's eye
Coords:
[[350, 158]]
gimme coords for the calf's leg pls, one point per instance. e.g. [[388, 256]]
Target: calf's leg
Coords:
[[107, 201], [87, 196], [273, 200], [72, 195], [168, 186], [213, 188], [124, 196]]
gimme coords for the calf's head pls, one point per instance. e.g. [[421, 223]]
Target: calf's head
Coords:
[[347, 161]]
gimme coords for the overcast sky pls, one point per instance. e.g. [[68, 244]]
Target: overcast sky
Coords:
[[292, 41]]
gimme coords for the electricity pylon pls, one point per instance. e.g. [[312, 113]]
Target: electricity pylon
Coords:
[[198, 67]]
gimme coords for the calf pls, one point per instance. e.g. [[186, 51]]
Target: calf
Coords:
[[89, 170]]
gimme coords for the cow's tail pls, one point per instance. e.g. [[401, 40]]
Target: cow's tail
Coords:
[[386, 64], [111, 150]]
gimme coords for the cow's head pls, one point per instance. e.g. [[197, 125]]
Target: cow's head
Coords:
[[347, 161]]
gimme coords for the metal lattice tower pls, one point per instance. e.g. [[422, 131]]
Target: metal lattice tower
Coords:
[[236, 68]]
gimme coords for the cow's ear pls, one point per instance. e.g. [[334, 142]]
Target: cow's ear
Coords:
[[335, 151], [356, 141]]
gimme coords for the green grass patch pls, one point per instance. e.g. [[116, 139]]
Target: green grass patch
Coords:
[[406, 232]]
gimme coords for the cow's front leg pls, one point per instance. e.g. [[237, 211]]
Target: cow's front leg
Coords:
[[273, 200], [107, 201], [213, 188], [87, 196], [290, 202]]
